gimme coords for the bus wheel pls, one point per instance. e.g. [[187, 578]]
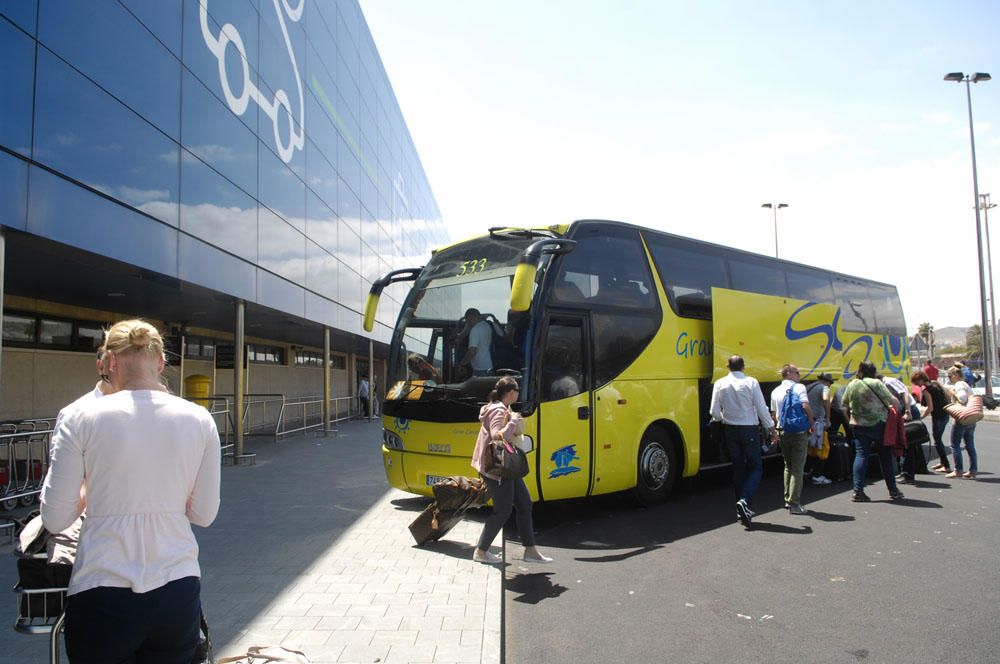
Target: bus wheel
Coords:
[[657, 467]]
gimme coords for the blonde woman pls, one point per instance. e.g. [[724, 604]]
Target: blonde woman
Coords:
[[960, 432], [147, 463]]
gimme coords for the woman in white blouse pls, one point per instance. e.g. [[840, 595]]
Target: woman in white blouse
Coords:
[[146, 465], [962, 432]]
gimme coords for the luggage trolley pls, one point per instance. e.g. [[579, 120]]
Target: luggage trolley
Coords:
[[41, 610]]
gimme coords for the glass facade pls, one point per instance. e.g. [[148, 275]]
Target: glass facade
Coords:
[[253, 148]]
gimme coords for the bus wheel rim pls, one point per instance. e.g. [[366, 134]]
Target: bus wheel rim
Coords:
[[655, 466]]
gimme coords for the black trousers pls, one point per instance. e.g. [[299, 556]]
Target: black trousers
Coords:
[[117, 626], [507, 495]]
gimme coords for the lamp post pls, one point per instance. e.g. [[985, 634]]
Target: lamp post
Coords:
[[775, 207], [986, 206], [978, 77]]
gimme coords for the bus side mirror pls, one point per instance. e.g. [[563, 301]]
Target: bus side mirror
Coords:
[[370, 306], [527, 268], [408, 274]]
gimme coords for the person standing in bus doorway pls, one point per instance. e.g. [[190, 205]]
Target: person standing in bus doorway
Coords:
[[793, 439], [364, 395], [738, 402], [867, 401], [477, 355]]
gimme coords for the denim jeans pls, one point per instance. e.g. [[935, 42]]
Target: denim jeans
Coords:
[[967, 433], [744, 449], [939, 422], [866, 441]]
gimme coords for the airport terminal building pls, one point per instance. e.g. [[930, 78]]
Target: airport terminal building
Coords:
[[227, 169]]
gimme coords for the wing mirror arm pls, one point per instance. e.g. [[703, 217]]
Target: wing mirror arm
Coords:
[[527, 267], [375, 292]]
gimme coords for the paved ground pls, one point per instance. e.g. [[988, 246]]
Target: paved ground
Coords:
[[908, 581], [311, 550]]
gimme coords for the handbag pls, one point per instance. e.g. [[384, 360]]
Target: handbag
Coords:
[[505, 460], [821, 453], [968, 414]]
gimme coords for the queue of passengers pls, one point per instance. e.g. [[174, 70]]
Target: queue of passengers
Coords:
[[799, 416]]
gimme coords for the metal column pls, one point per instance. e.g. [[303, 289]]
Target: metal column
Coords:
[[326, 380], [371, 380], [238, 377], [3, 268]]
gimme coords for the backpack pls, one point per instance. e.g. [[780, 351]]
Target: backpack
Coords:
[[792, 418]]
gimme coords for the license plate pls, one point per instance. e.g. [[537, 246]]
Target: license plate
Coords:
[[434, 479]]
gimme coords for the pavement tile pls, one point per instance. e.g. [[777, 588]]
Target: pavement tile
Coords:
[[451, 637], [400, 654], [364, 653], [457, 654], [300, 639], [380, 622], [351, 637], [338, 622], [389, 637]]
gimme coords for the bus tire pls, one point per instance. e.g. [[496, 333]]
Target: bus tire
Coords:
[[657, 467]]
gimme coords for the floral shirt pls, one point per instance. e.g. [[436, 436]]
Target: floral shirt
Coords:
[[869, 401]]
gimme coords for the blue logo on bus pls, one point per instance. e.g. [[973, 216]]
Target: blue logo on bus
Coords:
[[563, 457], [402, 424]]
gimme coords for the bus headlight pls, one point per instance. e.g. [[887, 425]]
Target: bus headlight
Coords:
[[391, 440]]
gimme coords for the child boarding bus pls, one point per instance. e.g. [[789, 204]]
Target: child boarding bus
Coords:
[[615, 333]]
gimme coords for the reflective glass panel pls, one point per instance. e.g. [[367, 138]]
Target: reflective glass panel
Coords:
[[17, 52], [807, 284], [85, 133], [108, 44], [203, 264], [856, 314], [18, 328], [216, 210], [214, 134], [13, 191], [282, 248], [321, 223], [22, 12], [162, 18], [757, 277], [282, 190], [321, 271], [55, 332]]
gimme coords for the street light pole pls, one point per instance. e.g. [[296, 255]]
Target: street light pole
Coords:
[[775, 207], [986, 205], [958, 77]]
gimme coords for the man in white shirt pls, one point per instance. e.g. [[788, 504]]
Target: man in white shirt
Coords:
[[478, 355], [737, 402], [794, 444], [364, 392]]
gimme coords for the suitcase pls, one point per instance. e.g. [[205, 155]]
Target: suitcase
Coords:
[[434, 523], [916, 436], [840, 464]]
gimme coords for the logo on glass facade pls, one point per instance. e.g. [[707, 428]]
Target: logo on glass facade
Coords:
[[238, 104]]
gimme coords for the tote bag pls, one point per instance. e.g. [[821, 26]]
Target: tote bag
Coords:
[[968, 414]]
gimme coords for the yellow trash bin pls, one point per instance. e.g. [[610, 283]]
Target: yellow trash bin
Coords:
[[198, 388]]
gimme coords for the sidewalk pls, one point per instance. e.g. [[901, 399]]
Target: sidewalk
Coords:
[[311, 551]]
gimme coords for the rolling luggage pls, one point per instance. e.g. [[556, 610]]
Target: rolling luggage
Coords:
[[916, 436], [840, 464], [453, 497]]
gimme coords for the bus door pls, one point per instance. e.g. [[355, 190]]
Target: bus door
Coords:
[[565, 440]]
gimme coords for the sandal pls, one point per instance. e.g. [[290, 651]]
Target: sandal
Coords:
[[954, 475], [939, 466], [942, 469], [969, 475]]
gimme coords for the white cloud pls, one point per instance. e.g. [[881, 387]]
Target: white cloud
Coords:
[[137, 196]]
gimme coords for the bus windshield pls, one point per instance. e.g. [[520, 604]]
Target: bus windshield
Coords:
[[432, 337]]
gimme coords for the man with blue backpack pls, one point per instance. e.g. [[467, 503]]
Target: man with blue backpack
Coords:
[[791, 410]]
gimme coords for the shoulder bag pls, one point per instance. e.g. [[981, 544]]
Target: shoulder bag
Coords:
[[968, 414], [505, 460]]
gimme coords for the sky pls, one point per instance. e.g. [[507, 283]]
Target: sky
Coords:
[[686, 117]]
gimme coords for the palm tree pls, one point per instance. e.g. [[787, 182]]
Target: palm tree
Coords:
[[974, 342]]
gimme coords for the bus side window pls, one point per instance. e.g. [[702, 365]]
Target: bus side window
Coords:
[[562, 368], [688, 271]]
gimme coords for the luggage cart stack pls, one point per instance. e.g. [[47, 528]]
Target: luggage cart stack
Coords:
[[24, 460]]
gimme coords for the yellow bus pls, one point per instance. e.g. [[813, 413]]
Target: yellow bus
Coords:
[[616, 334]]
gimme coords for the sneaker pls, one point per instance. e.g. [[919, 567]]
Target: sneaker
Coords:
[[539, 559], [487, 558], [896, 495], [860, 497], [823, 479], [787, 505], [743, 513], [797, 509], [905, 479]]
